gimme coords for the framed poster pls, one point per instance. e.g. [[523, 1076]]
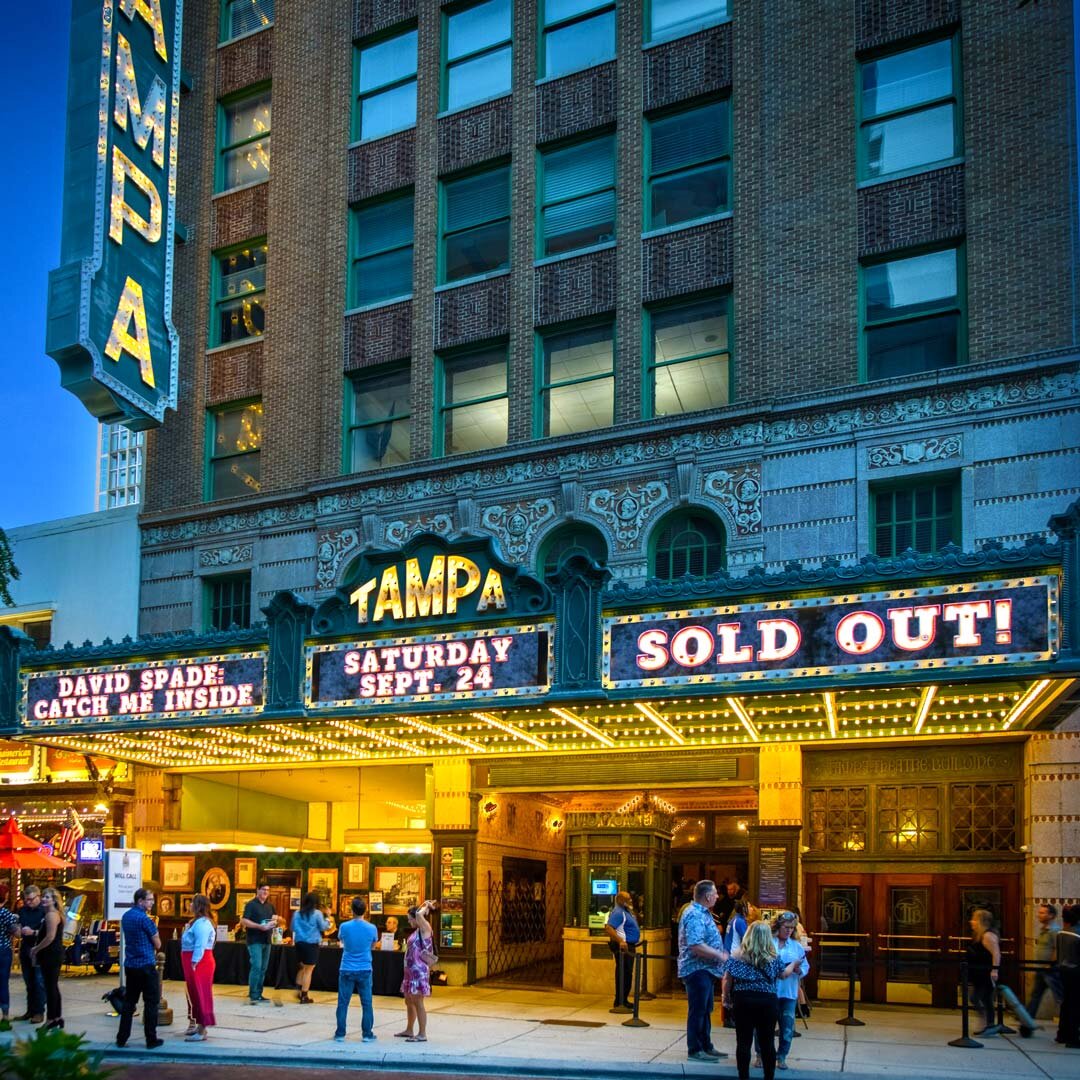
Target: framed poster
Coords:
[[356, 873], [325, 883], [166, 906], [241, 901], [216, 887], [375, 903], [244, 872], [184, 904], [345, 907], [294, 899], [402, 887], [177, 873]]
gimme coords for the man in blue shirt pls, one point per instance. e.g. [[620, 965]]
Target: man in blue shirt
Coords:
[[623, 937], [141, 945], [700, 957], [358, 938]]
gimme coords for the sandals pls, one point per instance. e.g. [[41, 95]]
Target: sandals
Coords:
[[403, 1035], [417, 1038]]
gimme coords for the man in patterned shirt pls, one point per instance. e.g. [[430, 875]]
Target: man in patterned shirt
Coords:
[[700, 957]]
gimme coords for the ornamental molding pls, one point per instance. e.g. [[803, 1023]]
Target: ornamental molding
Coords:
[[627, 508], [915, 452], [399, 533], [228, 556], [333, 548], [738, 490], [516, 524], [267, 517]]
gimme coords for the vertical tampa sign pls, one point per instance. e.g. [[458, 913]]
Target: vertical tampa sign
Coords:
[[110, 301]]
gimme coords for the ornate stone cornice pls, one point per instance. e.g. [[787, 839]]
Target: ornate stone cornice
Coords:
[[150, 645]]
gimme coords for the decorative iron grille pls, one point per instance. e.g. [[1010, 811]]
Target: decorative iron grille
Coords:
[[525, 933]]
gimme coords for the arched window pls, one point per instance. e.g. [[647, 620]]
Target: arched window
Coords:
[[572, 539], [688, 542]]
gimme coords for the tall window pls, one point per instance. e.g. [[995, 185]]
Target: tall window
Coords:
[[575, 538], [228, 602], [689, 164], [673, 18], [235, 441], [577, 34], [689, 364], [576, 386], [385, 86], [577, 196], [472, 411], [688, 542], [382, 251], [476, 53], [244, 141], [475, 224], [921, 514], [239, 17], [239, 295], [909, 112], [913, 314], [380, 422]]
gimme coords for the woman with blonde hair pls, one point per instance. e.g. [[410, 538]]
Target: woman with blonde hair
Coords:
[[197, 959], [750, 986], [984, 958], [48, 955]]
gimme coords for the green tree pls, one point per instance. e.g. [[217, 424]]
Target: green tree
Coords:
[[9, 572]]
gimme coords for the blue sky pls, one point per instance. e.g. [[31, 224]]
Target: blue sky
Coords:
[[49, 437]]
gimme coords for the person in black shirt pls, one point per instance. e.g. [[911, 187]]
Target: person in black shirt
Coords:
[[31, 916], [726, 904], [1068, 958], [258, 921]]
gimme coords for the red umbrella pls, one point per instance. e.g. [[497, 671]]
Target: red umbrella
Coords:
[[21, 852]]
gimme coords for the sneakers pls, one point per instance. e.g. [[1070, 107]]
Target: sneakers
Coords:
[[700, 1055], [368, 1038], [153, 1044], [781, 1063], [990, 1029], [339, 1038], [756, 1063], [195, 1037], [714, 1053]]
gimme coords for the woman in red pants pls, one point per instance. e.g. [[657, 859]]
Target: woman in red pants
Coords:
[[197, 957]]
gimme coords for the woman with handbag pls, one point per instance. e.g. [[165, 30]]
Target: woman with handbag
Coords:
[[419, 959]]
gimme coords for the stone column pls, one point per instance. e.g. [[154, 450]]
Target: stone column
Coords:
[[780, 794]]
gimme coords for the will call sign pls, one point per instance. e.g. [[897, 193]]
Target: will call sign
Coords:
[[974, 623]]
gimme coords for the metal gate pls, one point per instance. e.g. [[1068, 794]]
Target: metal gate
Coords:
[[525, 933]]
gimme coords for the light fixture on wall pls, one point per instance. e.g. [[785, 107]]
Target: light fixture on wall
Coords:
[[741, 824], [488, 809], [556, 824]]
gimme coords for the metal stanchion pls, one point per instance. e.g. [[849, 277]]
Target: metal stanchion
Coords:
[[645, 995], [1003, 1028], [620, 966], [849, 1020], [965, 1039], [635, 1020]]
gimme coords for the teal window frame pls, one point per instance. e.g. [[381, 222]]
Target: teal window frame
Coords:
[[542, 203], [570, 538], [223, 105], [212, 419], [862, 121], [438, 442], [352, 425], [359, 97], [446, 65], [225, 35], [701, 23], [684, 517], [213, 604], [217, 297], [933, 482], [356, 259], [598, 8], [651, 366], [651, 176], [959, 308], [440, 259], [542, 386]]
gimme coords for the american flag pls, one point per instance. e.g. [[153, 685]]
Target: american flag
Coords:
[[67, 843]]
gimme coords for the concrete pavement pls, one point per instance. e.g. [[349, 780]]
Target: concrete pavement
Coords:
[[537, 1033]]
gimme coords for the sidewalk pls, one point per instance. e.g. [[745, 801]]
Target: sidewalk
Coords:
[[535, 1032]]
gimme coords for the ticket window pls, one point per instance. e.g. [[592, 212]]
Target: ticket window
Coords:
[[603, 886]]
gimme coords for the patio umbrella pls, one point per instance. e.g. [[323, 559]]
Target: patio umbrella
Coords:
[[85, 885], [21, 852]]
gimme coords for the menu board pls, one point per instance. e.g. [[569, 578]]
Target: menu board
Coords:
[[452, 893], [772, 876]]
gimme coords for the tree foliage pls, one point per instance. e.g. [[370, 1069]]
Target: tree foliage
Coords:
[[9, 572]]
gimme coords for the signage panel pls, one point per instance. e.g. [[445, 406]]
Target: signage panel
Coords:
[[110, 302], [123, 875], [197, 686], [937, 627], [91, 850], [498, 662]]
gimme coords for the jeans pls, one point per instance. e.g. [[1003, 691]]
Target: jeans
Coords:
[[785, 1008], [699, 1006], [259, 957], [1044, 980], [350, 982], [5, 976], [35, 984], [755, 1019], [140, 981]]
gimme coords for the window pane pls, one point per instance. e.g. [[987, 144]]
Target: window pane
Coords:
[[476, 427], [909, 348], [557, 10], [246, 119], [388, 61], [690, 331], [688, 138], [242, 271], [378, 397], [908, 78], [579, 169], [579, 223], [578, 354], [691, 385], [478, 375], [383, 277], [384, 225], [236, 476], [671, 16], [478, 251], [242, 318], [579, 407], [244, 16], [247, 163], [477, 199], [686, 196], [391, 110], [238, 430], [477, 28], [484, 77], [580, 45], [909, 286], [381, 445], [908, 141]]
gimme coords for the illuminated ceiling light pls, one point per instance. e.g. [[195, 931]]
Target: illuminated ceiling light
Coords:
[[1024, 703], [583, 725], [318, 740], [510, 729], [442, 733], [660, 722], [925, 702], [830, 712], [736, 706], [376, 736]]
